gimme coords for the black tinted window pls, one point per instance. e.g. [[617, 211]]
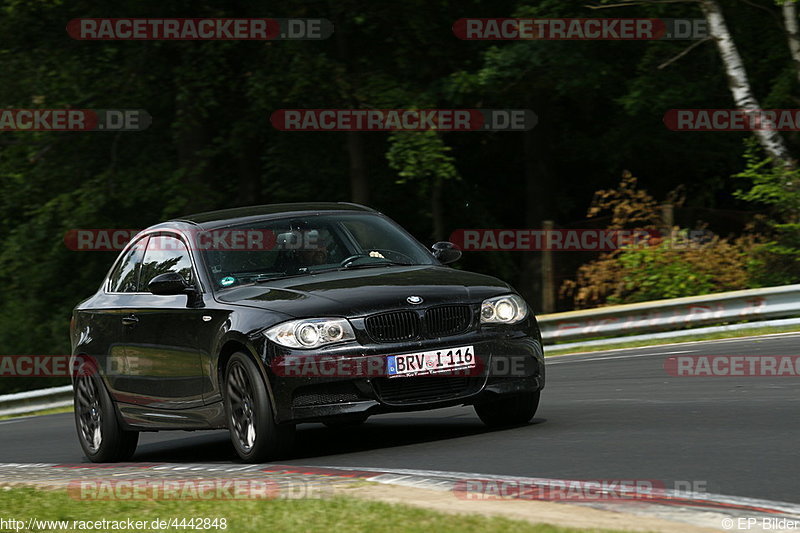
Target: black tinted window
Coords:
[[165, 254], [311, 244], [125, 277]]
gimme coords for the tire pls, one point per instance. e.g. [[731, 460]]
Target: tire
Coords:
[[510, 410], [345, 423], [251, 422], [99, 432]]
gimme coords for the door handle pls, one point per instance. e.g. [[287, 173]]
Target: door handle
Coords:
[[130, 320]]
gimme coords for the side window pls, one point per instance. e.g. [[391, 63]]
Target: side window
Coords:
[[165, 254], [125, 277]]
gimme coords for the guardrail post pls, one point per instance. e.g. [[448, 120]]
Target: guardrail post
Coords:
[[667, 220]]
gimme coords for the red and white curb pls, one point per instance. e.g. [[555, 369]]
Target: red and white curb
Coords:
[[696, 508]]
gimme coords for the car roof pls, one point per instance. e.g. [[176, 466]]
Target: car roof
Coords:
[[226, 217]]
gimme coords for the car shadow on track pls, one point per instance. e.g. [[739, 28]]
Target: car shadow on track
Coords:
[[316, 440]]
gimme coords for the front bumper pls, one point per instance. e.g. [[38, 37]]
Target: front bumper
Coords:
[[506, 365]]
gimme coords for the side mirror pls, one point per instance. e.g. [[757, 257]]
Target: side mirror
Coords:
[[168, 284], [446, 252], [171, 284]]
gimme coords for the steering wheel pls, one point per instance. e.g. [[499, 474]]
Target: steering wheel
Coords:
[[350, 259]]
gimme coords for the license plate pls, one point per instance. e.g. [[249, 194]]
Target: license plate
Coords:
[[433, 362]]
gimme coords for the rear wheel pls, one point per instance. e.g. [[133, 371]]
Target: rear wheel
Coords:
[[102, 438], [254, 433], [509, 410]]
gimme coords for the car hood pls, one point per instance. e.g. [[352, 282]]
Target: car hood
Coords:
[[361, 292]]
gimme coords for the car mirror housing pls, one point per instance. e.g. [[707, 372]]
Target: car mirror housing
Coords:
[[168, 284], [172, 284], [446, 252]]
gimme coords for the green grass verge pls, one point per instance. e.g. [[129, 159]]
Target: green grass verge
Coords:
[[324, 515], [553, 349], [37, 413]]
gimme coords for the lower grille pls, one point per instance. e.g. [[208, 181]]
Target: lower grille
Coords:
[[424, 388], [330, 393]]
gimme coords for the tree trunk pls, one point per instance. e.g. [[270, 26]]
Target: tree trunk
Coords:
[[359, 182], [437, 210], [192, 137], [530, 279], [739, 84], [792, 33], [249, 164]]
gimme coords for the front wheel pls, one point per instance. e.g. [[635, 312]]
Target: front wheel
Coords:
[[509, 411], [99, 431], [254, 433]]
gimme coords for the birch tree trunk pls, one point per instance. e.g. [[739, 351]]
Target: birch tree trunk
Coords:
[[792, 32], [739, 84]]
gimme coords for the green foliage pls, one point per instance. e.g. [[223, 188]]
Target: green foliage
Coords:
[[777, 260], [420, 157], [654, 273], [669, 268], [775, 186], [211, 145], [683, 263]]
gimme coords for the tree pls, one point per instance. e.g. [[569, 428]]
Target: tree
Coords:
[[421, 159]]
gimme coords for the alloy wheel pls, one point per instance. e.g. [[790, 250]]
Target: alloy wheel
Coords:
[[240, 392], [90, 414]]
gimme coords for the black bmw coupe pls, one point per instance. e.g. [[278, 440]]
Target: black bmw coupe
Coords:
[[257, 319]]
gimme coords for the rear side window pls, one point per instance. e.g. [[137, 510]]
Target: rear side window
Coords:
[[125, 277], [165, 254]]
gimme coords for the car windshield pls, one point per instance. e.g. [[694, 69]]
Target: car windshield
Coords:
[[274, 249]]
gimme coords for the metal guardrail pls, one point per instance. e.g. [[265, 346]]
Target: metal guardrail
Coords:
[[22, 403], [672, 314], [677, 316]]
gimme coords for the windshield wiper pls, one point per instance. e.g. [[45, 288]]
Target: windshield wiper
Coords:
[[261, 278], [382, 262], [272, 277]]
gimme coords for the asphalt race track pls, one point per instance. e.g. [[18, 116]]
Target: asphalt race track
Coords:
[[606, 415]]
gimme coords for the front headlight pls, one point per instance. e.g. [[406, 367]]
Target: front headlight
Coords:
[[503, 310], [311, 332]]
